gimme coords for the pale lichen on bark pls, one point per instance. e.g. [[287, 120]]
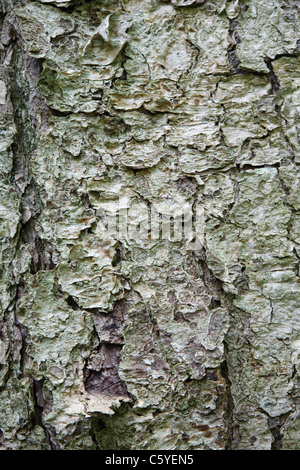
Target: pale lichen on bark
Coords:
[[142, 344]]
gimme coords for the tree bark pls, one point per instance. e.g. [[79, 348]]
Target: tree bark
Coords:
[[127, 340]]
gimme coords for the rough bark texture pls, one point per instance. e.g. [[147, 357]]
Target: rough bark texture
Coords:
[[142, 344]]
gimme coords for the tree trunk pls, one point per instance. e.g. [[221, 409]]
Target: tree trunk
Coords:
[[117, 332]]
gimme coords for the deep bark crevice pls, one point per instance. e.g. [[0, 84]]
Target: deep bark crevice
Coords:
[[37, 418]]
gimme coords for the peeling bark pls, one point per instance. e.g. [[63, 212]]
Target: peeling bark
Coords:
[[112, 342]]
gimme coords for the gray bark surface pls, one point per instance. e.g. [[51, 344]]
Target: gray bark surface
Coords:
[[141, 343]]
